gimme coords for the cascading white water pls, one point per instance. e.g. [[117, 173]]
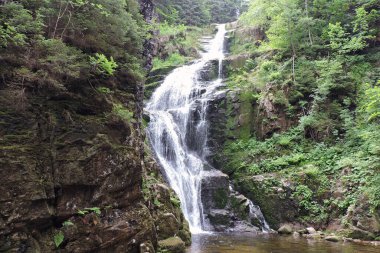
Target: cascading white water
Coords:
[[255, 213], [178, 127]]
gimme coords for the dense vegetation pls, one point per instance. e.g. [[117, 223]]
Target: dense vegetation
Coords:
[[311, 71], [58, 43], [199, 12], [179, 26]]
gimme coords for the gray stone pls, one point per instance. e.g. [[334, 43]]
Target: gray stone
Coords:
[[220, 218], [285, 230], [147, 247], [214, 190], [332, 238], [311, 230]]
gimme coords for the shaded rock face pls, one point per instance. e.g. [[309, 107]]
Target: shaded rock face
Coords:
[[73, 168], [276, 202], [217, 117], [271, 114], [61, 155], [224, 208], [363, 225], [163, 204]]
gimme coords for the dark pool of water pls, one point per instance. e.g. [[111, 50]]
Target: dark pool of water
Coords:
[[248, 243]]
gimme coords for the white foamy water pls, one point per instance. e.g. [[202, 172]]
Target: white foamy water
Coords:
[[178, 127]]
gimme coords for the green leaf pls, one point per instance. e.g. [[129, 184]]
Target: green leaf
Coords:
[[94, 210], [58, 238], [68, 223]]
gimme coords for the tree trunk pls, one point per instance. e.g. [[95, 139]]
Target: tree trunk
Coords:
[[307, 15]]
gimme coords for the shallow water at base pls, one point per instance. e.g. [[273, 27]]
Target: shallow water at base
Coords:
[[269, 243]]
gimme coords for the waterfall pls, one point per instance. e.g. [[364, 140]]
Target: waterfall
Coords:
[[255, 213], [178, 131], [180, 145]]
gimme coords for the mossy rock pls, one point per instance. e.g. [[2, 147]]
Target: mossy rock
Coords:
[[357, 233], [172, 245], [277, 207], [220, 198], [219, 217], [167, 225], [285, 230]]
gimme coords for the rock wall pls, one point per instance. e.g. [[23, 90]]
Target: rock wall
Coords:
[[61, 154], [73, 172]]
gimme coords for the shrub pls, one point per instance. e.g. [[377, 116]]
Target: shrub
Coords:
[[102, 65]]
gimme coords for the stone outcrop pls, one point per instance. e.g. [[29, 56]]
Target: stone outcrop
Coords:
[[74, 175], [70, 159], [224, 208]]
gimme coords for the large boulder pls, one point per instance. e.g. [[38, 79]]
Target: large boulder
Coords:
[[220, 219], [214, 190], [272, 195], [362, 224], [172, 245], [167, 226], [285, 229]]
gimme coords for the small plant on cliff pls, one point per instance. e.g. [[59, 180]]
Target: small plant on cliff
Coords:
[[156, 202], [104, 90], [88, 210], [67, 223], [122, 112], [59, 238], [102, 65], [175, 201]]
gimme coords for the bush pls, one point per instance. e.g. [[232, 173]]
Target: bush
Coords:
[[102, 65]]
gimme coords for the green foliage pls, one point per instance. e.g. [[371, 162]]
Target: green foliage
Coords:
[[122, 112], [88, 210], [175, 201], [59, 238], [198, 12], [156, 202], [104, 90], [102, 65], [67, 224], [372, 103], [94, 210], [167, 29], [173, 60], [52, 41]]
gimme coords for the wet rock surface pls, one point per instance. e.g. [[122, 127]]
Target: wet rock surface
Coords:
[[224, 208]]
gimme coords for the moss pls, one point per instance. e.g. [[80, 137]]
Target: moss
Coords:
[[220, 197], [172, 245], [239, 208]]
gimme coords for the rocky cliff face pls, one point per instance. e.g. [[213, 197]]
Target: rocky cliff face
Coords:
[[71, 159], [72, 171]]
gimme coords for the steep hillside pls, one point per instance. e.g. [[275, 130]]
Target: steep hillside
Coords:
[[303, 113], [75, 176]]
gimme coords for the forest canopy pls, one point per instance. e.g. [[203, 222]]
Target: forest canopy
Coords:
[[199, 12], [53, 43]]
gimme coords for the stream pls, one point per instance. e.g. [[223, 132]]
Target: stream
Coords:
[[271, 243]]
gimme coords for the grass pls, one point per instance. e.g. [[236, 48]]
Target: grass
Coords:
[[172, 61]]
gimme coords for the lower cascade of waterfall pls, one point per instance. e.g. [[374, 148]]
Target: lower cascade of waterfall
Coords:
[[178, 132]]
